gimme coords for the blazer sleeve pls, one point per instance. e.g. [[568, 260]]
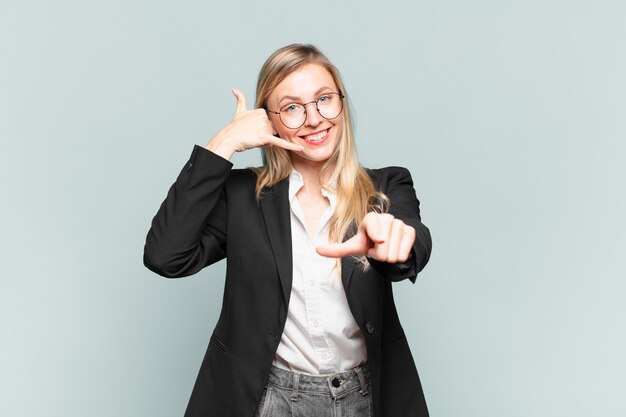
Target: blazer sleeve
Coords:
[[404, 205], [189, 230]]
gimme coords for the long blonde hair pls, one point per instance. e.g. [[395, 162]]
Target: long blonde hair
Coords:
[[356, 194]]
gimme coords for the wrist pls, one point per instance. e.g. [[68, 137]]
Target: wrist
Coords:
[[220, 147]]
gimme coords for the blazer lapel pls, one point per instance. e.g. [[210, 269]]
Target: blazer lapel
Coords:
[[347, 269], [275, 210], [348, 263]]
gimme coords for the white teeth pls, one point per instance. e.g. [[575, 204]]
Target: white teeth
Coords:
[[316, 136]]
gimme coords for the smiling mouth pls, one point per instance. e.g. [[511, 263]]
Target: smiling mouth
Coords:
[[317, 136]]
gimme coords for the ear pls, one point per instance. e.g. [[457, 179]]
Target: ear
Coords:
[[274, 131]]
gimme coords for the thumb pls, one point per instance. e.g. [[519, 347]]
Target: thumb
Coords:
[[372, 228], [355, 246], [241, 101]]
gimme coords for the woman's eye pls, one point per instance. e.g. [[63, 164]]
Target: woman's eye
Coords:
[[291, 108], [323, 99]]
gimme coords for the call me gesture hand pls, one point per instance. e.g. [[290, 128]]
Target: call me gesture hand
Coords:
[[248, 129], [380, 236]]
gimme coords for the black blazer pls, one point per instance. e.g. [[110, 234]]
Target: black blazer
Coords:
[[211, 212]]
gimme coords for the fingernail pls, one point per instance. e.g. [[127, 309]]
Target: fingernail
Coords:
[[234, 92]]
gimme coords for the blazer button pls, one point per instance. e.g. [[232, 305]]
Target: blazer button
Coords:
[[369, 327]]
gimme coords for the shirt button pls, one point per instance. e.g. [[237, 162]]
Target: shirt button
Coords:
[[311, 282], [316, 323]]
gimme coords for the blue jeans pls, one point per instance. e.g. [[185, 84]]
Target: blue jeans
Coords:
[[291, 394]]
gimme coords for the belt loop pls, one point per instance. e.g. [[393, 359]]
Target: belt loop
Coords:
[[294, 393], [359, 374]]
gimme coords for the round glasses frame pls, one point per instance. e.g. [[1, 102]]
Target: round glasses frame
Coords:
[[341, 97]]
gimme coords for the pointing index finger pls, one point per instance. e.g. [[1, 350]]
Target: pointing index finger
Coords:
[[353, 246]]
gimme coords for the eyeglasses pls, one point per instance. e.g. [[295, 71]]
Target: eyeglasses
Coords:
[[293, 115]]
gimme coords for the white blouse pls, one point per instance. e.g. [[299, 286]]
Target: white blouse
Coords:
[[320, 335]]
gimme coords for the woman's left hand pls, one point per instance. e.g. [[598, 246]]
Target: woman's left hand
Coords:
[[380, 236]]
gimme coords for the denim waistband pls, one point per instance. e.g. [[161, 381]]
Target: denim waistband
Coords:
[[335, 385]]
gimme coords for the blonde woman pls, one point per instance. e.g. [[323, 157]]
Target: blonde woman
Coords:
[[313, 242]]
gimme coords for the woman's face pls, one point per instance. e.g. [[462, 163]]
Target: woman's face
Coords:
[[318, 136]]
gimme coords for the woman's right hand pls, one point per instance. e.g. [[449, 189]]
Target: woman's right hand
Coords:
[[248, 129]]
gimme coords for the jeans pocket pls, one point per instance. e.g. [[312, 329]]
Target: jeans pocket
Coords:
[[263, 407]]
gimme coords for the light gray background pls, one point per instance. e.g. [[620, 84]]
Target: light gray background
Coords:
[[509, 114]]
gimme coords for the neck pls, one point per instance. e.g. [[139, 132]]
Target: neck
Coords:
[[310, 172]]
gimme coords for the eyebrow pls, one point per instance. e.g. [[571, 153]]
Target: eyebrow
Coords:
[[298, 98]]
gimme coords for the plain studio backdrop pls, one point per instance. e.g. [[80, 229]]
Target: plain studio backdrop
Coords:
[[510, 115]]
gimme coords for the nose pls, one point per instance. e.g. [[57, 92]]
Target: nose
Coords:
[[313, 117]]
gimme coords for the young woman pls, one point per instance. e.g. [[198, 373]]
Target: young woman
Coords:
[[312, 240]]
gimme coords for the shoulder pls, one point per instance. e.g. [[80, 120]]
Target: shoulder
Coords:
[[385, 172], [242, 175], [385, 177], [241, 179]]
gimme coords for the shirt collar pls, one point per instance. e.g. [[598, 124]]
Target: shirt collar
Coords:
[[296, 182]]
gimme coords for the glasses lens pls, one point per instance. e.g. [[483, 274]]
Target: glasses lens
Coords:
[[330, 105], [292, 115]]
